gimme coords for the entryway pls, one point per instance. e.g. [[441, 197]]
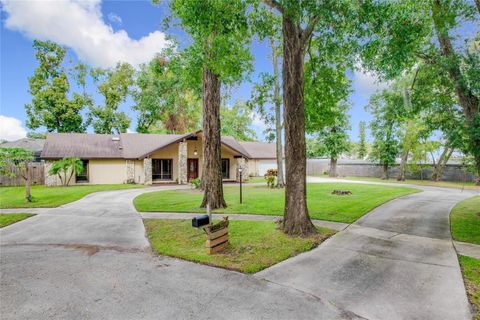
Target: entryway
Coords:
[[192, 169]]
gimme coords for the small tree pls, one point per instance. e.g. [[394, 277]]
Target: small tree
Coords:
[[66, 167], [362, 144], [16, 162]]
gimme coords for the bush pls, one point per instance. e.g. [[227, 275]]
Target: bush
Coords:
[[271, 176], [196, 183]]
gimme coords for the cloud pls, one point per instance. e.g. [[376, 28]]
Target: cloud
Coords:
[[113, 17], [79, 25], [367, 83], [258, 122], [11, 129]]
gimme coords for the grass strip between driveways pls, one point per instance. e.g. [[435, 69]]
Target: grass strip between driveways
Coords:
[[465, 220], [48, 197], [471, 276], [10, 218], [259, 199], [253, 245]]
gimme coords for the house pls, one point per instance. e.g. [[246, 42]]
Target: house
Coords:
[[31, 144], [151, 158]]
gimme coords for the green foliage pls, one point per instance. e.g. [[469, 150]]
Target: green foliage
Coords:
[[236, 121], [36, 135], [166, 97], [51, 106], [362, 144], [14, 162], [271, 175], [113, 84], [196, 183], [220, 36], [66, 167]]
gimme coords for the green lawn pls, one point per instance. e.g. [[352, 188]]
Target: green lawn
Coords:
[[471, 276], [253, 245], [258, 199], [256, 179], [443, 184], [46, 197], [9, 218], [465, 220]]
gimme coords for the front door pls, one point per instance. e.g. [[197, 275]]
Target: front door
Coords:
[[192, 169]]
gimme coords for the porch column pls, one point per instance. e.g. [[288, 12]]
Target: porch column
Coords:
[[241, 164], [147, 169], [182, 162], [130, 167]]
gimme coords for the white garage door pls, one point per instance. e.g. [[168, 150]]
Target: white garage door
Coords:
[[264, 165]]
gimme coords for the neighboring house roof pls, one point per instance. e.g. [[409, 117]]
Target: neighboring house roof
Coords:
[[125, 145], [260, 150], [35, 145]]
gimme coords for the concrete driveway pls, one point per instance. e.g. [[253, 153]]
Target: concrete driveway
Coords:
[[90, 260]]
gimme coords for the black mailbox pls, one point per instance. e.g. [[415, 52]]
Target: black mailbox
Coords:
[[200, 221]]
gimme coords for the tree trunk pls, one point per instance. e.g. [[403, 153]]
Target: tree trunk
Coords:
[[278, 115], [333, 168], [28, 196], [440, 165], [403, 166], [212, 158], [296, 219], [466, 99], [385, 172], [477, 2]]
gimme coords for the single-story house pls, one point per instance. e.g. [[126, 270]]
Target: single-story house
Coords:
[[151, 158], [31, 144]]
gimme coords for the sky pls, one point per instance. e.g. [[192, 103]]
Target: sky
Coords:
[[102, 33]]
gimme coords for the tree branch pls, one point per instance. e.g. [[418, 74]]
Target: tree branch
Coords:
[[275, 5], [309, 30]]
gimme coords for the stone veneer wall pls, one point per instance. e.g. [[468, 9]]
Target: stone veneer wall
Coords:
[[241, 163], [147, 169], [50, 180], [182, 163], [130, 167]]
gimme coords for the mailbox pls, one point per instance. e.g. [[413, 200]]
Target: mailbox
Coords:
[[200, 221]]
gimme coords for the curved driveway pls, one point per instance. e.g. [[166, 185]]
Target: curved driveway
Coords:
[[90, 259]]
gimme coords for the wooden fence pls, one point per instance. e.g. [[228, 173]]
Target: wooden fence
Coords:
[[36, 176]]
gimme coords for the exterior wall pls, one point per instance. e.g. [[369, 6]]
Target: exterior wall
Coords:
[[50, 180], [107, 171], [138, 172], [130, 171], [253, 167]]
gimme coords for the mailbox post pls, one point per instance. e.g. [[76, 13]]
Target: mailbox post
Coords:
[[240, 174]]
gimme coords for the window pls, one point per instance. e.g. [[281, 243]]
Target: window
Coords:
[[225, 168], [83, 176], [162, 169]]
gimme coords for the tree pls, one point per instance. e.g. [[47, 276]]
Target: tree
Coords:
[[268, 91], [49, 86], [362, 144], [16, 162], [402, 33], [236, 121], [66, 167], [219, 50], [166, 98], [113, 84]]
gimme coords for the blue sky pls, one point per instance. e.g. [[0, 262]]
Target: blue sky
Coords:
[[101, 33]]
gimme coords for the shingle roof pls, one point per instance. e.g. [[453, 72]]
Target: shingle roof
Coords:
[[81, 145], [260, 150], [124, 146], [35, 145]]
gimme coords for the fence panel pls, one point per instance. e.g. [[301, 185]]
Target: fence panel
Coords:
[[37, 176]]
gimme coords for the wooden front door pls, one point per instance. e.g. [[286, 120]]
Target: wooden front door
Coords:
[[192, 169]]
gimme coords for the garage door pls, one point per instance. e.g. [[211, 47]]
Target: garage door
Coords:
[[264, 165]]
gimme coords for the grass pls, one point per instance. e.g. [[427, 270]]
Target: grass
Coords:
[[471, 276], [444, 184], [258, 199], [10, 218], [47, 197], [253, 245], [465, 220], [256, 179]]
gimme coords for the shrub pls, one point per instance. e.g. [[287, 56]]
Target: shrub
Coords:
[[196, 183], [270, 176]]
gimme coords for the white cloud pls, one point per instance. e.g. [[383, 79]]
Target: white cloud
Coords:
[[366, 82], [11, 129], [258, 122], [79, 25], [115, 18]]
